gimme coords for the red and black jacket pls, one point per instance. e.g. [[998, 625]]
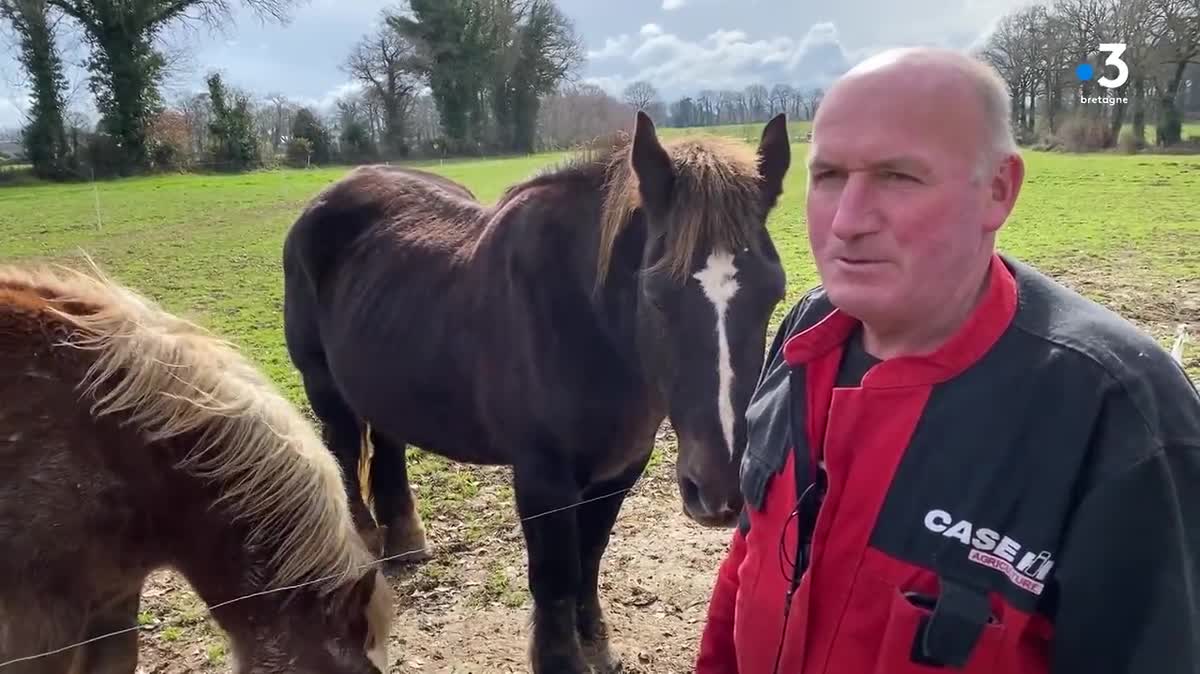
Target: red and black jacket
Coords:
[[1026, 499]]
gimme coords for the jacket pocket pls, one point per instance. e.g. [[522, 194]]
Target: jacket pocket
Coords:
[[909, 617]]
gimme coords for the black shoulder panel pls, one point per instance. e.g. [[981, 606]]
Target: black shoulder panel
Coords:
[[771, 413]]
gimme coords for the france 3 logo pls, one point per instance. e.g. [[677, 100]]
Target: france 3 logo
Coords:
[[1085, 72]]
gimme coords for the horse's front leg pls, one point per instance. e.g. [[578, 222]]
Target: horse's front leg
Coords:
[[546, 495], [596, 520]]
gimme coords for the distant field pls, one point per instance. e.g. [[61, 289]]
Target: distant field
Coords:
[[1123, 230]]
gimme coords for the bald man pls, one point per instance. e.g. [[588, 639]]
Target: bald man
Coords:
[[954, 463]]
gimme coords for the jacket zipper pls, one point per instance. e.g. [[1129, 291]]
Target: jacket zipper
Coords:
[[804, 529]]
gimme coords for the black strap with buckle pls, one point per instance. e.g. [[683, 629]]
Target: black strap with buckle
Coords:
[[947, 636]]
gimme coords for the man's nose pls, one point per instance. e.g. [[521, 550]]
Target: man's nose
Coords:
[[855, 214]]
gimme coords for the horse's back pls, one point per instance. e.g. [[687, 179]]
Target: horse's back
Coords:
[[392, 211], [451, 186]]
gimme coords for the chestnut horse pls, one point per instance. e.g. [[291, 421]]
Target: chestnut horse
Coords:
[[131, 440], [552, 332]]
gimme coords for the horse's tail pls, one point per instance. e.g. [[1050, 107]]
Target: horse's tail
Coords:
[[313, 249], [1177, 348]]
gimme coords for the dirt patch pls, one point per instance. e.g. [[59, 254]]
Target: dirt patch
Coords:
[[1154, 302], [467, 610]]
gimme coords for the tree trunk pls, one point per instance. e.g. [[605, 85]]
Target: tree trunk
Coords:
[[1139, 112], [1170, 122], [127, 95]]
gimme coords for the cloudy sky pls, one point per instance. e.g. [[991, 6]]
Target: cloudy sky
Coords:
[[681, 46]]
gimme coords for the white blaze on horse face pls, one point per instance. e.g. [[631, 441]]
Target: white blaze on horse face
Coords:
[[719, 286]]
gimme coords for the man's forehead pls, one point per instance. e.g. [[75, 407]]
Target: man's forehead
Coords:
[[862, 154]]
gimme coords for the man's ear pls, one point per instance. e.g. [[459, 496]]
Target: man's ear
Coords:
[[651, 165], [1005, 186], [774, 158]]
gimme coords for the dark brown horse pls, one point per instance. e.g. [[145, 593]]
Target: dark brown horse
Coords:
[[551, 332], [130, 441]]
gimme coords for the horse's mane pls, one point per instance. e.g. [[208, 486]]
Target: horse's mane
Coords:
[[716, 198], [169, 376]]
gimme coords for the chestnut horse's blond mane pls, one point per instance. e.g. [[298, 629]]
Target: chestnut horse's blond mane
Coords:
[[716, 198], [169, 377]]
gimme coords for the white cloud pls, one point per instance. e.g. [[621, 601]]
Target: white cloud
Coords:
[[326, 104], [670, 5], [724, 59], [613, 46]]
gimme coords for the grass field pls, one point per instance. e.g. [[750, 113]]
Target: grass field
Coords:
[[1123, 230]]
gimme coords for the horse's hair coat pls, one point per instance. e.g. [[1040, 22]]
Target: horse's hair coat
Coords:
[[171, 377]]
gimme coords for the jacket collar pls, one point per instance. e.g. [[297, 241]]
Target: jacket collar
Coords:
[[974, 338]]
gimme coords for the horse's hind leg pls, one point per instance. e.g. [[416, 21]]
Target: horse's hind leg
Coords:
[[341, 431], [116, 654], [340, 428], [395, 506], [596, 519]]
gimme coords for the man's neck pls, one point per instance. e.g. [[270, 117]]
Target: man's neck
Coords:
[[929, 332]]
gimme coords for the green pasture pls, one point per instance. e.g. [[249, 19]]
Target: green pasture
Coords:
[[1124, 229]]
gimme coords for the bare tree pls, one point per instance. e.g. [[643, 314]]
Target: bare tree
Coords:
[[279, 108], [779, 97], [1176, 29], [1133, 25], [708, 101], [580, 114], [812, 100], [756, 103], [197, 111], [640, 94], [796, 101], [385, 63]]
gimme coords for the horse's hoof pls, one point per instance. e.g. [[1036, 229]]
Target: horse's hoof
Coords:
[[601, 659], [611, 665], [406, 543]]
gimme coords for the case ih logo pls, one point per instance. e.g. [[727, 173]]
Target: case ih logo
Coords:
[[1026, 569]]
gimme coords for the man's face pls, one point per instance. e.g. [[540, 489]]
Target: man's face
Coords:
[[895, 210]]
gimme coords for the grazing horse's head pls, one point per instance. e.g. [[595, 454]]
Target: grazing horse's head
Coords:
[[342, 631], [710, 282]]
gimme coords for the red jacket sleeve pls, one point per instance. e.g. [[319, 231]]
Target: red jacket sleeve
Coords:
[[717, 653]]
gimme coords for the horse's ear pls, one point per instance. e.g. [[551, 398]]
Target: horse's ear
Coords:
[[651, 164], [355, 598], [774, 157]]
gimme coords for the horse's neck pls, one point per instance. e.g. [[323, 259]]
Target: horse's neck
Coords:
[[230, 578], [211, 548], [616, 300]]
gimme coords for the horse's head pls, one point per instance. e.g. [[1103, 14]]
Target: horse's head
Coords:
[[711, 280], [306, 631]]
